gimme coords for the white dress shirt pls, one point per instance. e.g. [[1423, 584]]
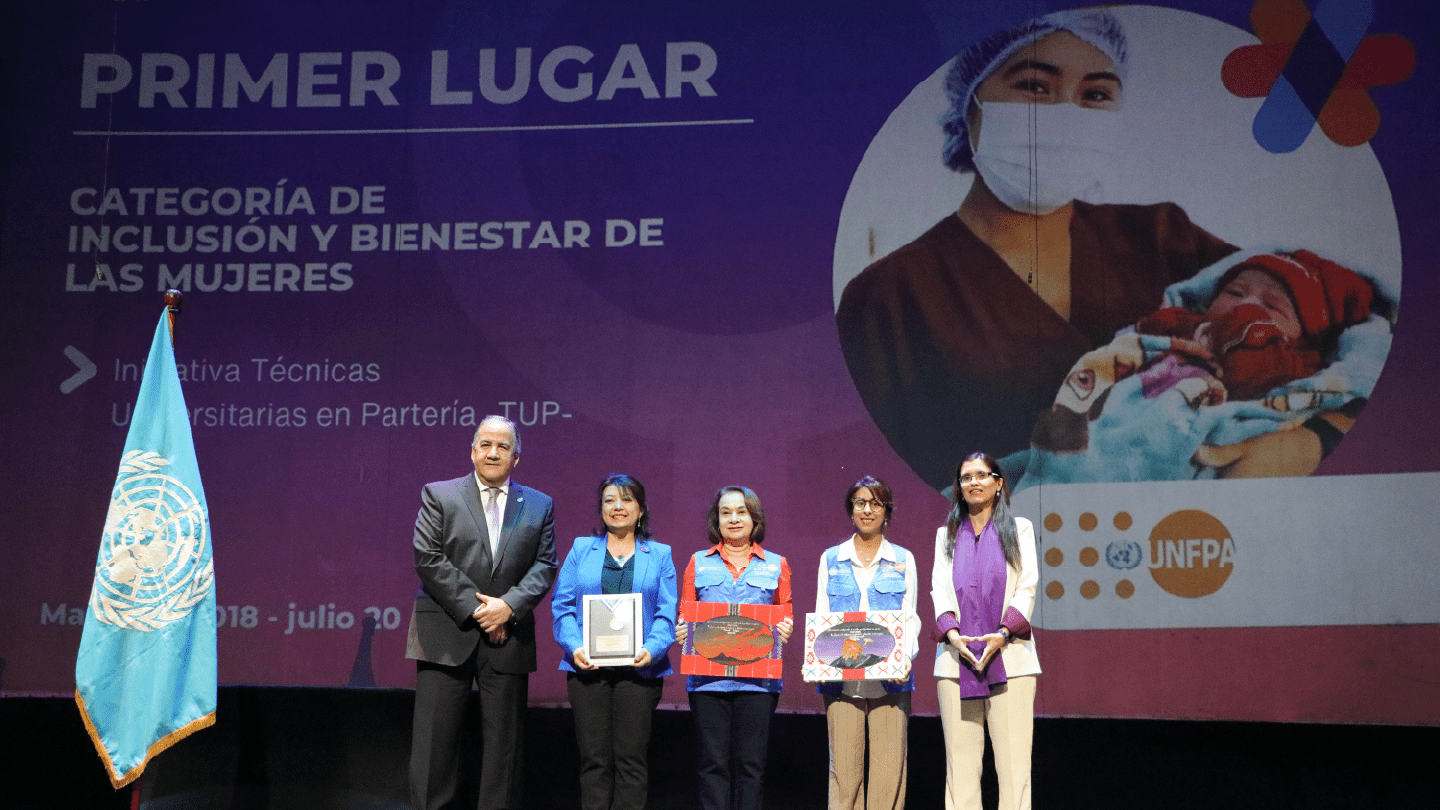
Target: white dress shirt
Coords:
[[493, 524]]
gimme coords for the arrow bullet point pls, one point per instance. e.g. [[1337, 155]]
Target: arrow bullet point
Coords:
[[87, 370]]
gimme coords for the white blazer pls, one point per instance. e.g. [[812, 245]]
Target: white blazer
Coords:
[[1019, 655]]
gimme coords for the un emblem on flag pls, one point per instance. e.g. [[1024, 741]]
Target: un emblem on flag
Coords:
[[153, 569]]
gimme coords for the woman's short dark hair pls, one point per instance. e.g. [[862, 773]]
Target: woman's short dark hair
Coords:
[[752, 505], [626, 484], [879, 490]]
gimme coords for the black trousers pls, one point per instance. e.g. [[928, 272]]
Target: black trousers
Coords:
[[733, 735], [613, 708], [441, 694]]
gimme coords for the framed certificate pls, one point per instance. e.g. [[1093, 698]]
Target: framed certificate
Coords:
[[612, 628], [732, 640], [855, 646]]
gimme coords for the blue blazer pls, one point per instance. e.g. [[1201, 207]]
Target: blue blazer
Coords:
[[654, 580]]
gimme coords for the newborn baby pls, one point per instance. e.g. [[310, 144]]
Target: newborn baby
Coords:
[[1140, 407], [1274, 316]]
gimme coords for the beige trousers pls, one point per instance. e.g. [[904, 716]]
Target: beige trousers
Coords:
[[1010, 715], [882, 722]]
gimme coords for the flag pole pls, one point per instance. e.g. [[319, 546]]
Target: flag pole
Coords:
[[174, 299]]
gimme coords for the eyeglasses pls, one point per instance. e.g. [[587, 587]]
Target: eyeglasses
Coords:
[[977, 478], [861, 504]]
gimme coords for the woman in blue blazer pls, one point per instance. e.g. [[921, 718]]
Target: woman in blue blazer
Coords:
[[613, 705]]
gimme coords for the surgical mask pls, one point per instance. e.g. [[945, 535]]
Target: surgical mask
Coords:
[[1038, 157]]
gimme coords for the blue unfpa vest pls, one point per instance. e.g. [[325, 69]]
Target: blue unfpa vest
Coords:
[[756, 586], [886, 592]]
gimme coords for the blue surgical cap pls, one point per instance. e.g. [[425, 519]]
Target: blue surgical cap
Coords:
[[1095, 26]]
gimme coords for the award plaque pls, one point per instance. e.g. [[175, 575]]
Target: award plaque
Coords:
[[855, 646], [612, 629], [732, 640]]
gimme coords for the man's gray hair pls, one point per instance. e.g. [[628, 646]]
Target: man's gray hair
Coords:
[[494, 419]]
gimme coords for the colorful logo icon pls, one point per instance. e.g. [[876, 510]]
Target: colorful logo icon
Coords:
[[1315, 68]]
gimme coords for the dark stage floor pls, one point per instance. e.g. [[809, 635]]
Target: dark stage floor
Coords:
[[314, 749]]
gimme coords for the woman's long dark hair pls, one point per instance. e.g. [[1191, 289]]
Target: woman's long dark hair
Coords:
[[1001, 517]]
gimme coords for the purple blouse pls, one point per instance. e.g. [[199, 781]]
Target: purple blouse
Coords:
[[979, 577]]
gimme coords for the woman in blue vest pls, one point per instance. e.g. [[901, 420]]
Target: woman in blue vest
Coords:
[[868, 572], [613, 705], [732, 715]]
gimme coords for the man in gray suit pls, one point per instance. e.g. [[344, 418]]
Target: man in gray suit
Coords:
[[485, 553]]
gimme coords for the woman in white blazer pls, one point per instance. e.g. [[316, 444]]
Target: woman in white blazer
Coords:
[[983, 586]]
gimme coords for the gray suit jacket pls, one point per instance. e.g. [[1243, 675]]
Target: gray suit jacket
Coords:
[[452, 557]]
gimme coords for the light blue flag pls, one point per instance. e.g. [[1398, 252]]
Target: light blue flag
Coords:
[[145, 677]]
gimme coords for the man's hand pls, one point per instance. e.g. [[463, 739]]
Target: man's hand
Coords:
[[493, 613], [784, 628]]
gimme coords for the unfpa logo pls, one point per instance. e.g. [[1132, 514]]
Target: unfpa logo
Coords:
[[1191, 553], [1315, 68]]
